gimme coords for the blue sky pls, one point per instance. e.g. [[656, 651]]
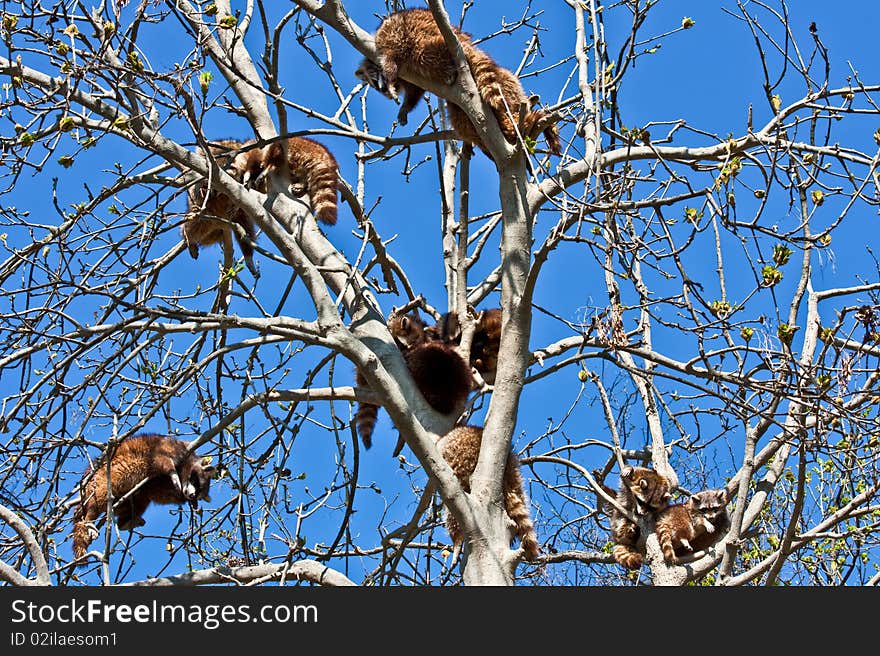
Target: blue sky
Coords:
[[708, 75]]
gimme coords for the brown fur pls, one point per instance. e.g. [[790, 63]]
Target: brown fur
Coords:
[[642, 491], [312, 167], [461, 449], [173, 476], [409, 42], [211, 225], [439, 372], [370, 73], [485, 343], [692, 526], [503, 92], [408, 330], [442, 377]]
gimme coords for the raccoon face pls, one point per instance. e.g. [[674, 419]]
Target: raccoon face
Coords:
[[370, 73], [710, 504], [650, 489], [198, 487], [408, 330]]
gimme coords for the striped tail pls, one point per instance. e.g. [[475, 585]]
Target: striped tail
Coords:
[[490, 84], [455, 533], [664, 536], [83, 532], [517, 507], [81, 539], [322, 174], [365, 416], [627, 556], [322, 191], [365, 420]]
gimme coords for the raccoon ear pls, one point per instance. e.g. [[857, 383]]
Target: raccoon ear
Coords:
[[404, 322], [626, 472]]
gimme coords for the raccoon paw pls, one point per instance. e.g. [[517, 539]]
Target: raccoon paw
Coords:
[[687, 545], [710, 528], [92, 531]]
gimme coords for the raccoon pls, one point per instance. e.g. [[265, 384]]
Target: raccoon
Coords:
[[442, 377], [173, 476], [485, 343], [461, 449], [408, 330], [506, 101], [312, 168], [208, 226], [692, 526], [369, 72], [409, 41], [642, 491], [439, 372]]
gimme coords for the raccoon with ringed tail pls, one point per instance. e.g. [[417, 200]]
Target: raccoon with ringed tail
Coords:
[[642, 491], [210, 212], [692, 526], [409, 41], [460, 447], [439, 372], [312, 167], [408, 330], [173, 475]]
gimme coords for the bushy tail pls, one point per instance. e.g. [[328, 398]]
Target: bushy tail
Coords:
[[365, 416], [81, 539], [627, 556], [664, 536], [365, 421], [487, 75], [322, 180], [517, 507], [321, 173], [82, 532], [533, 121]]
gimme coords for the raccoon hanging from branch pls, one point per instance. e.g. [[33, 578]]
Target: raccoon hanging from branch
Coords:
[[439, 372], [172, 475], [212, 217], [460, 447], [310, 169], [409, 42], [408, 330], [313, 170]]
